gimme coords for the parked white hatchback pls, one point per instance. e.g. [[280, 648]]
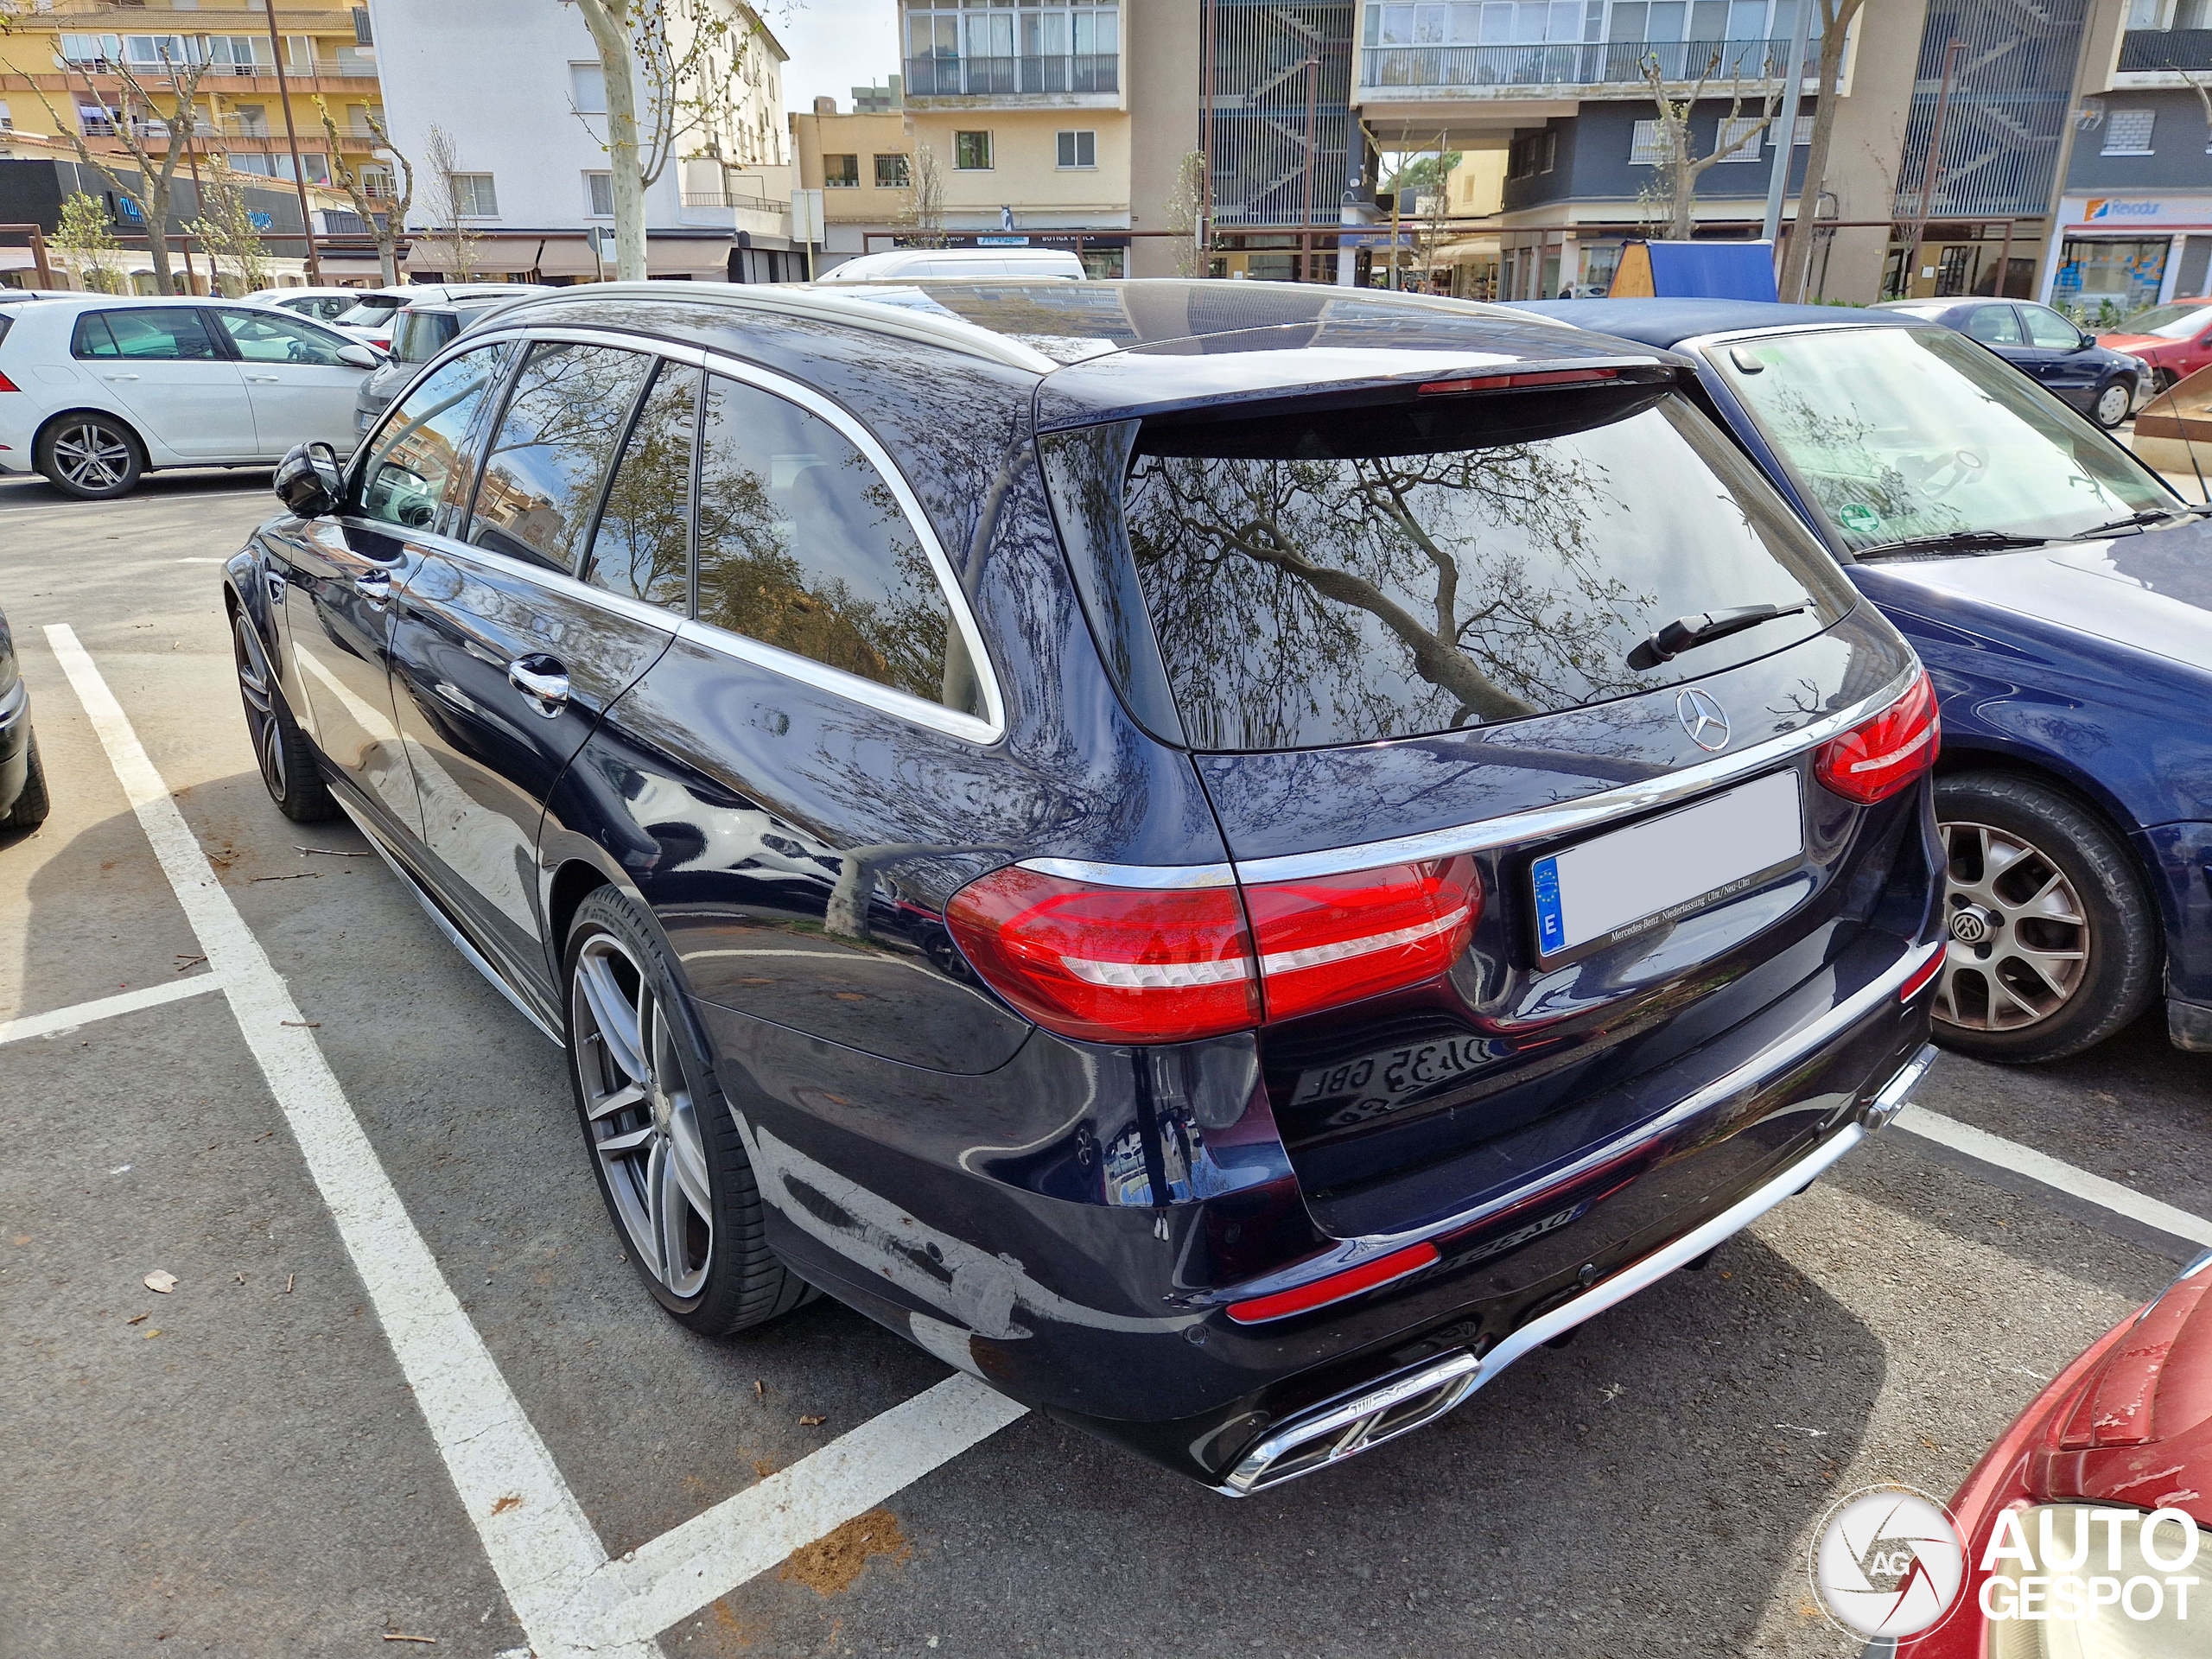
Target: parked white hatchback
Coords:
[[96, 391]]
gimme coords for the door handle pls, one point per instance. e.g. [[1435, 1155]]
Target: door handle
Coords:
[[375, 585], [119, 376], [544, 680], [264, 380]]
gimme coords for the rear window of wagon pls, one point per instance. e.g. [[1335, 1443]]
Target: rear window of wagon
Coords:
[[1313, 580]]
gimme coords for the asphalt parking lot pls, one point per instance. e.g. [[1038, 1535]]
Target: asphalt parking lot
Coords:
[[406, 1387]]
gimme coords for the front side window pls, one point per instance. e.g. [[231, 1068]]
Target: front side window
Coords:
[[971, 152], [157, 335], [643, 545], [418, 336], [2047, 329], [278, 340], [802, 545], [841, 172], [542, 472], [1901, 434], [414, 460], [1337, 578], [891, 172]]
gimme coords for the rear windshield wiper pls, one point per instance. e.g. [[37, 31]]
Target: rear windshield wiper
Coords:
[[1688, 633], [1954, 541]]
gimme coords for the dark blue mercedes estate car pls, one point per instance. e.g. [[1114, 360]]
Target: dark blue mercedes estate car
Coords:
[[2061, 594], [1226, 858]]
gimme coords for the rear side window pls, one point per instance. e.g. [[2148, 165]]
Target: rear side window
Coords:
[[1330, 579], [543, 473], [418, 336], [802, 545], [1994, 325], [643, 545], [413, 462], [157, 335]]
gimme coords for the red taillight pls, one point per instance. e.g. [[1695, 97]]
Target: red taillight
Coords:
[[1336, 938], [1334, 1288], [1111, 965], [1125, 965], [6, 384], [1501, 382], [1876, 759]]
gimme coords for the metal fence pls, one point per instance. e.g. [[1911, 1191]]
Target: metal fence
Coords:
[[2005, 116], [1592, 63], [1262, 102]]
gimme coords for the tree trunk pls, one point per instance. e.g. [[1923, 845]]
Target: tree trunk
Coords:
[[1799, 261], [609, 23]]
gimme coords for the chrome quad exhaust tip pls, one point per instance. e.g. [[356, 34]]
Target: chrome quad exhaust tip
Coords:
[[1355, 1422]]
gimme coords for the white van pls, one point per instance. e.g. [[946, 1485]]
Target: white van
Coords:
[[910, 264]]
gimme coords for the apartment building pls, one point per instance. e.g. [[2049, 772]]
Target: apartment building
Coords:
[[2134, 224], [66, 69], [862, 162], [515, 87]]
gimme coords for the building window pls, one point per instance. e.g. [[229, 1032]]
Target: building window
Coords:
[[1802, 133], [598, 190], [1532, 153], [1735, 127], [890, 172], [1647, 148], [361, 35], [1078, 149], [971, 152], [474, 197], [997, 47], [841, 172], [587, 88], [2127, 132]]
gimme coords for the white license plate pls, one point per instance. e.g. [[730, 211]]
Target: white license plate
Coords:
[[1614, 886]]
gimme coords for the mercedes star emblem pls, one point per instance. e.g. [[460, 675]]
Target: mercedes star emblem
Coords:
[[1702, 719]]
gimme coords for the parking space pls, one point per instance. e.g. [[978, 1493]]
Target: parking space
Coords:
[[400, 1304]]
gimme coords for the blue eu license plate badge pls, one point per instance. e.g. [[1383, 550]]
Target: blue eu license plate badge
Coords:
[[1551, 925]]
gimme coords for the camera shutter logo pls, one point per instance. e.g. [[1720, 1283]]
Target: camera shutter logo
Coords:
[[1889, 1561]]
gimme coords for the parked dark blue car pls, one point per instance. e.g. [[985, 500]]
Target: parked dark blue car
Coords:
[[2064, 360], [1226, 858], [2060, 593]]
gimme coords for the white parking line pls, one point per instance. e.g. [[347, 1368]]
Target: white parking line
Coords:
[[569, 1597], [56, 1021], [2051, 1173]]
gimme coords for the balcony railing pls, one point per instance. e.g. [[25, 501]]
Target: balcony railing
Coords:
[[1096, 72], [318, 67], [2150, 50], [1589, 63], [732, 199]]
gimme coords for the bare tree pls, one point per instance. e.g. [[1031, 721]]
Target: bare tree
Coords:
[[133, 127], [1680, 165], [448, 212], [384, 226], [671, 69], [924, 209], [84, 233], [1185, 213], [227, 229], [1835, 27]]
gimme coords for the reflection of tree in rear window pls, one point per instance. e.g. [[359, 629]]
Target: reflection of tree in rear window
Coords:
[[1301, 599]]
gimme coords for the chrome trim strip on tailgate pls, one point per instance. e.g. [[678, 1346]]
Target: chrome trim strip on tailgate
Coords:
[[1542, 823]]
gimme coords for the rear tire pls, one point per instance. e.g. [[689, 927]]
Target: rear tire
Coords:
[[663, 1142], [32, 805], [92, 457], [2053, 943]]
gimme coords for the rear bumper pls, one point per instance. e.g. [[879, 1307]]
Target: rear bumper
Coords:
[[14, 744], [1089, 1312]]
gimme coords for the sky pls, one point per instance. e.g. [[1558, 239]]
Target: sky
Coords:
[[835, 45]]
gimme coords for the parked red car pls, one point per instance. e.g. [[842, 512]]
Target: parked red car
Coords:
[[2174, 340], [2125, 1432]]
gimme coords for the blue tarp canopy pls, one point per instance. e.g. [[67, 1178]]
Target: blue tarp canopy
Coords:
[[1696, 270]]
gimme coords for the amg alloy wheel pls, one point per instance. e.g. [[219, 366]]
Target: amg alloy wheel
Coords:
[[2051, 942], [280, 748], [88, 456], [669, 1161]]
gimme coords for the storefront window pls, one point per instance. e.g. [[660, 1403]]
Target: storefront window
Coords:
[[2100, 277]]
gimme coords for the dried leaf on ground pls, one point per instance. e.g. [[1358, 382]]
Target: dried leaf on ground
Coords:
[[161, 1280], [813, 1422]]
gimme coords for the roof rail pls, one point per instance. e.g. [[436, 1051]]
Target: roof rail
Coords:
[[780, 299]]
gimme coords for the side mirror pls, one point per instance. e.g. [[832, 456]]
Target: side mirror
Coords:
[[308, 480], [359, 357]]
